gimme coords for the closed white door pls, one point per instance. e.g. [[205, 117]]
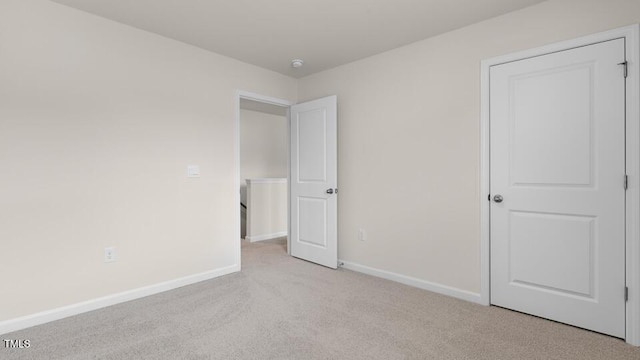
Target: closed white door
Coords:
[[557, 186], [314, 175]]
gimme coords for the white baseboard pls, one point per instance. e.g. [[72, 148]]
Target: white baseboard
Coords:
[[24, 322], [411, 281], [266, 237]]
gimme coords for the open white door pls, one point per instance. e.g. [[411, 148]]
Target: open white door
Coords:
[[314, 203]]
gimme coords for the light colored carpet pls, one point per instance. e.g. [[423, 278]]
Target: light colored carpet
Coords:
[[279, 307]]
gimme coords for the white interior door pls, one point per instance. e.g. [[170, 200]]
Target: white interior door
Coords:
[[558, 163], [314, 202]]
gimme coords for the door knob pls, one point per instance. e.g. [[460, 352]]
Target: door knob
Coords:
[[498, 198], [329, 191]]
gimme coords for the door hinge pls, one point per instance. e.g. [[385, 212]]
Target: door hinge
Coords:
[[489, 197], [626, 68], [626, 182], [626, 293]]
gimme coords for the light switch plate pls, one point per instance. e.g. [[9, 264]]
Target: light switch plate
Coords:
[[193, 171]]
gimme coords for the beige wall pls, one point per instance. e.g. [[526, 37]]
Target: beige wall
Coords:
[[98, 122], [409, 138], [263, 145], [266, 208], [263, 151]]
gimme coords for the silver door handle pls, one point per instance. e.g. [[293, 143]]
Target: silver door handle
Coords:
[[329, 191], [498, 198]]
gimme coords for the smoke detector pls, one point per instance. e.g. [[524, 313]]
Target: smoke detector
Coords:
[[296, 63]]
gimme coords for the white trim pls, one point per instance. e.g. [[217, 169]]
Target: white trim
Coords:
[[266, 236], [288, 180], [240, 94], [485, 187], [631, 34], [43, 317], [262, 98], [266, 181], [633, 191], [411, 281]]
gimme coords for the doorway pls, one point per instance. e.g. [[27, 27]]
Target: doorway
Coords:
[[559, 183], [262, 168], [311, 183]]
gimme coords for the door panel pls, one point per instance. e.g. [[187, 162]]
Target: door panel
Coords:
[[564, 155], [569, 268], [312, 131], [314, 211], [313, 224], [558, 160]]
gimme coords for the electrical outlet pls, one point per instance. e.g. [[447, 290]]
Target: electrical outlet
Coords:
[[109, 254], [362, 235]]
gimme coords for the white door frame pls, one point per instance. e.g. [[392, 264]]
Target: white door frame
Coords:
[[631, 34], [240, 94]]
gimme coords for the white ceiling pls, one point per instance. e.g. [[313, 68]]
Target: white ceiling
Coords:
[[325, 33]]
